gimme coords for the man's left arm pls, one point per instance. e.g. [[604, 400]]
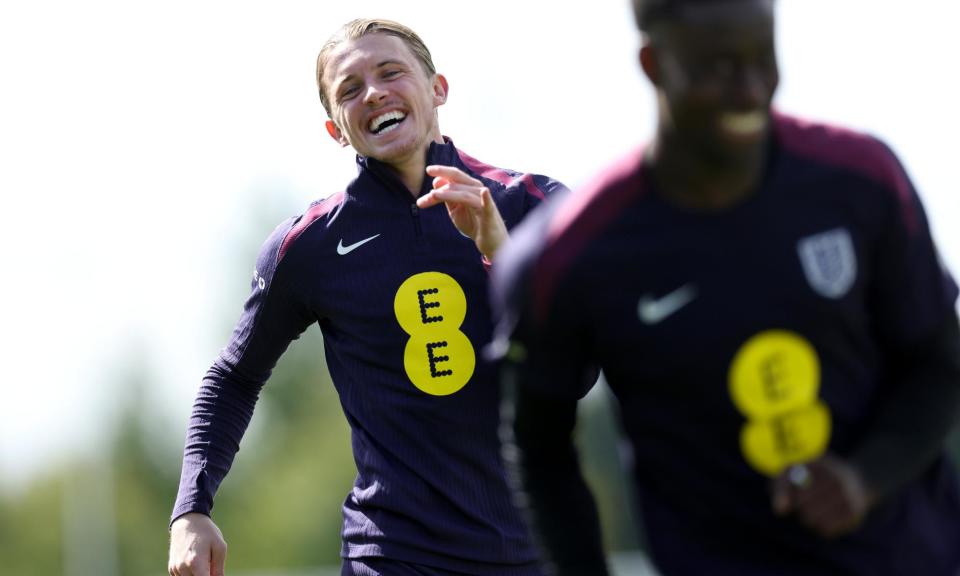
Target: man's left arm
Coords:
[[916, 417], [912, 313]]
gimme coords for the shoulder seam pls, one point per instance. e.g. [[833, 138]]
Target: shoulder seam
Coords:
[[860, 154], [568, 231], [500, 175], [316, 211]]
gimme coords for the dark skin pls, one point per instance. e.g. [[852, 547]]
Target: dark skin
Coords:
[[715, 73], [832, 502]]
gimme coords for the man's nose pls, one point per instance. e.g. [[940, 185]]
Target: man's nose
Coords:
[[374, 93]]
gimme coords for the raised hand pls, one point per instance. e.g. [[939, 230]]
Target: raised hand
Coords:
[[470, 205]]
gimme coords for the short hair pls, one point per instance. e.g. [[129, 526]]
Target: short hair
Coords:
[[361, 27], [648, 13]]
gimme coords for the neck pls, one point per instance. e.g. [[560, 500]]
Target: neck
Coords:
[[685, 176], [412, 169]]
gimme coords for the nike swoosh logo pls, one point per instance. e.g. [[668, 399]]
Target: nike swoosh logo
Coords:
[[344, 250], [655, 310]]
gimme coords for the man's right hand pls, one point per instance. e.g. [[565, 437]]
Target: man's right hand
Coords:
[[197, 547], [830, 497]]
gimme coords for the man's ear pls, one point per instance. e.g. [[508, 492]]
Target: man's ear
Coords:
[[336, 134], [440, 89], [649, 63]]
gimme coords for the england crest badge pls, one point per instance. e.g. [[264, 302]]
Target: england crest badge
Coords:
[[829, 262]]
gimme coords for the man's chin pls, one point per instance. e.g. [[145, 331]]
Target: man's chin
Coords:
[[395, 148], [392, 152], [736, 154]]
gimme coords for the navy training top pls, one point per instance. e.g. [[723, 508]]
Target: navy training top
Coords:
[[741, 341], [401, 297]]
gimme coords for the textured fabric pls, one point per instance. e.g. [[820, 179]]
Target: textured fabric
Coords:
[[377, 566], [401, 299], [743, 340]]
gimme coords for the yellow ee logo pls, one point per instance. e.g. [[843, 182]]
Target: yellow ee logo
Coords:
[[774, 379], [439, 359]]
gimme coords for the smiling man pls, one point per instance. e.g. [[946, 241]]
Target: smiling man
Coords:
[[766, 303], [399, 288]]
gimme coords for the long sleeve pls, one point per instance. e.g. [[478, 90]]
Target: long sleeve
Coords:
[[546, 371], [913, 299], [272, 318]]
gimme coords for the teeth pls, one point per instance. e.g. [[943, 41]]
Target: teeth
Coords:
[[389, 128], [743, 123], [376, 122]]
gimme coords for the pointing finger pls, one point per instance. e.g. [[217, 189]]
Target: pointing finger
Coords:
[[459, 195], [452, 173]]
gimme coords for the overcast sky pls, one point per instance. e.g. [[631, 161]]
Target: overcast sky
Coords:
[[137, 137]]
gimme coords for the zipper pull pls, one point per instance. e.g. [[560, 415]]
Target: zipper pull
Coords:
[[415, 214]]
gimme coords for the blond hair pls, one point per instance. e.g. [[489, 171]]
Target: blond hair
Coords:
[[361, 27]]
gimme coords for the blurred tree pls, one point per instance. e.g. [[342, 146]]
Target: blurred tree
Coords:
[[31, 538], [107, 513], [144, 484]]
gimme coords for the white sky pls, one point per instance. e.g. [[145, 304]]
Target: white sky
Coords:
[[135, 138]]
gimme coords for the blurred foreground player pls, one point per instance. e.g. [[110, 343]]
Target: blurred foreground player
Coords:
[[767, 305]]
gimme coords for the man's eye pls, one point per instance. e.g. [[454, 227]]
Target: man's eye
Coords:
[[391, 73], [349, 93]]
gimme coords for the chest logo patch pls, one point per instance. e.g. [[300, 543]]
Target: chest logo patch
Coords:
[[439, 359], [344, 250], [829, 262], [774, 381], [654, 310]]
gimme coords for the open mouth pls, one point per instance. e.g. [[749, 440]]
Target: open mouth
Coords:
[[386, 122], [744, 124]]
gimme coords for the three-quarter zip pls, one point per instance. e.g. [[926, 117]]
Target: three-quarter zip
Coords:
[[415, 213], [389, 181]]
